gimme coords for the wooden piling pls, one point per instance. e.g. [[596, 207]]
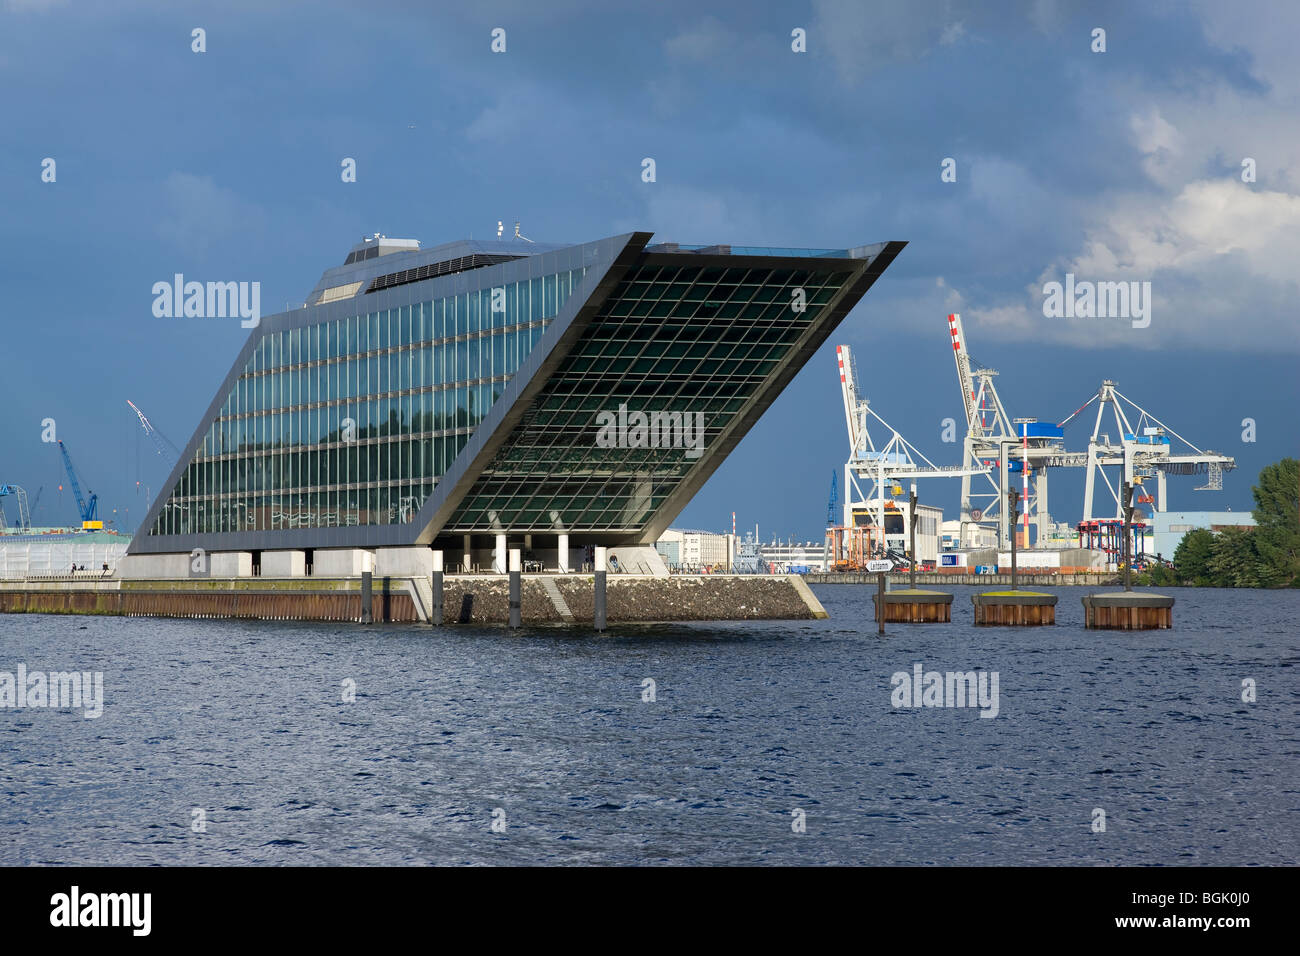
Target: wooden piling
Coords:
[[915, 606], [1014, 608], [1128, 611]]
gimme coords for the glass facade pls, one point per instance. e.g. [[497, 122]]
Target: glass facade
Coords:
[[352, 421], [674, 337]]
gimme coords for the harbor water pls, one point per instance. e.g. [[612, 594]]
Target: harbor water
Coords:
[[242, 742]]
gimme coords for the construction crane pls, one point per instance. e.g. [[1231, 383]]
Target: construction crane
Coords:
[[1143, 450], [24, 515], [87, 507], [166, 449], [881, 469]]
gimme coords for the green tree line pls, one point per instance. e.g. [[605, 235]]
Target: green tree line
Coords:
[[1265, 556]]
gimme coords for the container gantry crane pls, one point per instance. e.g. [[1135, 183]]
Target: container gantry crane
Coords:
[[881, 469], [1143, 450], [1023, 450]]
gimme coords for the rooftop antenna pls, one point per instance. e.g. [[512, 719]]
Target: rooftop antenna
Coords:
[[518, 236]]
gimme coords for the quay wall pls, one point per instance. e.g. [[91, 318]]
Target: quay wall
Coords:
[[480, 599]]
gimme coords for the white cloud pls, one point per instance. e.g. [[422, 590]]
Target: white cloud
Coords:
[[1220, 253], [196, 212], [701, 42], [1159, 142], [863, 37]]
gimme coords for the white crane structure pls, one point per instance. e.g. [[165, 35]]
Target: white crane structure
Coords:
[[24, 514], [1141, 448], [1025, 449], [880, 469], [166, 449]]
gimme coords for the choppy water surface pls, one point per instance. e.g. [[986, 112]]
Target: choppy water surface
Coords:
[[751, 721]]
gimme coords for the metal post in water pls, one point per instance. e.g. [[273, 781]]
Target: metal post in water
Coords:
[[1128, 535], [515, 617], [880, 603], [437, 589], [366, 587], [1012, 500], [598, 599], [911, 513]]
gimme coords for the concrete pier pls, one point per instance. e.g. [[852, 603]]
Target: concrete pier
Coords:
[[477, 599], [1016, 608], [915, 606], [1128, 611]]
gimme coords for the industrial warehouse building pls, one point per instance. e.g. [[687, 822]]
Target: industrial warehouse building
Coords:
[[480, 396], [1171, 526]]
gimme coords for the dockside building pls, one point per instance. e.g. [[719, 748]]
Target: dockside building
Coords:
[[485, 395]]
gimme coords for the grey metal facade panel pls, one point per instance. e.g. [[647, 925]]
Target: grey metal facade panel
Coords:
[[571, 257]]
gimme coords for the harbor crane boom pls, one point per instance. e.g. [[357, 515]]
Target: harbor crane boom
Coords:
[[166, 449]]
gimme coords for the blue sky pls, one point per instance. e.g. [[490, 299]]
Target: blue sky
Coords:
[[1122, 165]]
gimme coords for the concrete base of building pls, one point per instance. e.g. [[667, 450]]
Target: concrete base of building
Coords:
[[339, 562], [198, 564], [284, 564]]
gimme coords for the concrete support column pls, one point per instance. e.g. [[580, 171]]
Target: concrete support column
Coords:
[[564, 552], [528, 542], [469, 557], [514, 588], [436, 616], [499, 555], [367, 616], [598, 602]]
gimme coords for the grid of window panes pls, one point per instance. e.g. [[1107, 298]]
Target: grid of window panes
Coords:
[[670, 339], [351, 422]]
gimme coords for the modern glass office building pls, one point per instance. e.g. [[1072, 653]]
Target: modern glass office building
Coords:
[[482, 388]]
